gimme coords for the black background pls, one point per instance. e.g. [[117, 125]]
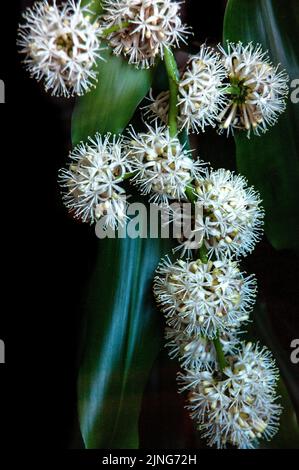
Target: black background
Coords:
[[47, 259]]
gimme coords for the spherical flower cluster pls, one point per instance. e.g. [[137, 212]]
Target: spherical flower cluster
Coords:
[[239, 407], [201, 93], [196, 352], [204, 299], [92, 182], [149, 26], [232, 217], [163, 167], [257, 89], [158, 107], [62, 46]]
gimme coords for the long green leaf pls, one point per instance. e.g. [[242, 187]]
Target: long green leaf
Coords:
[[270, 162], [288, 434], [111, 105], [122, 340], [122, 332]]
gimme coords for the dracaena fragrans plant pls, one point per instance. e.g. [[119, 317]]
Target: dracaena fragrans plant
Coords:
[[204, 295]]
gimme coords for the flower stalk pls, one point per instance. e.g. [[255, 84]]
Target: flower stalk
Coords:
[[203, 255], [173, 77], [115, 28], [129, 175], [220, 354], [190, 194]]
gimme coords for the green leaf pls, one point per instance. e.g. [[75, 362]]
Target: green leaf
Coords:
[[95, 7], [288, 435], [122, 332], [111, 105], [270, 162], [123, 337]]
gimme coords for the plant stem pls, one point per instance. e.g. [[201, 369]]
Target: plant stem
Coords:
[[220, 354], [129, 175], [115, 28], [189, 191], [173, 77], [203, 254], [233, 90]]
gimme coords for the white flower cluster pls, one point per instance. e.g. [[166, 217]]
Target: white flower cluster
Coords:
[[194, 351], [257, 89], [229, 217], [239, 407], [149, 26], [163, 167], [231, 391], [201, 91], [61, 46], [239, 89], [92, 181], [201, 95], [232, 217], [204, 299]]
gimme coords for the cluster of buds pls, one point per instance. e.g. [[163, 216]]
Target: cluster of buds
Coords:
[[148, 27], [206, 302], [205, 299], [238, 407], [231, 218], [62, 46], [235, 90], [231, 385], [201, 93], [162, 166], [195, 351], [256, 89], [92, 181]]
